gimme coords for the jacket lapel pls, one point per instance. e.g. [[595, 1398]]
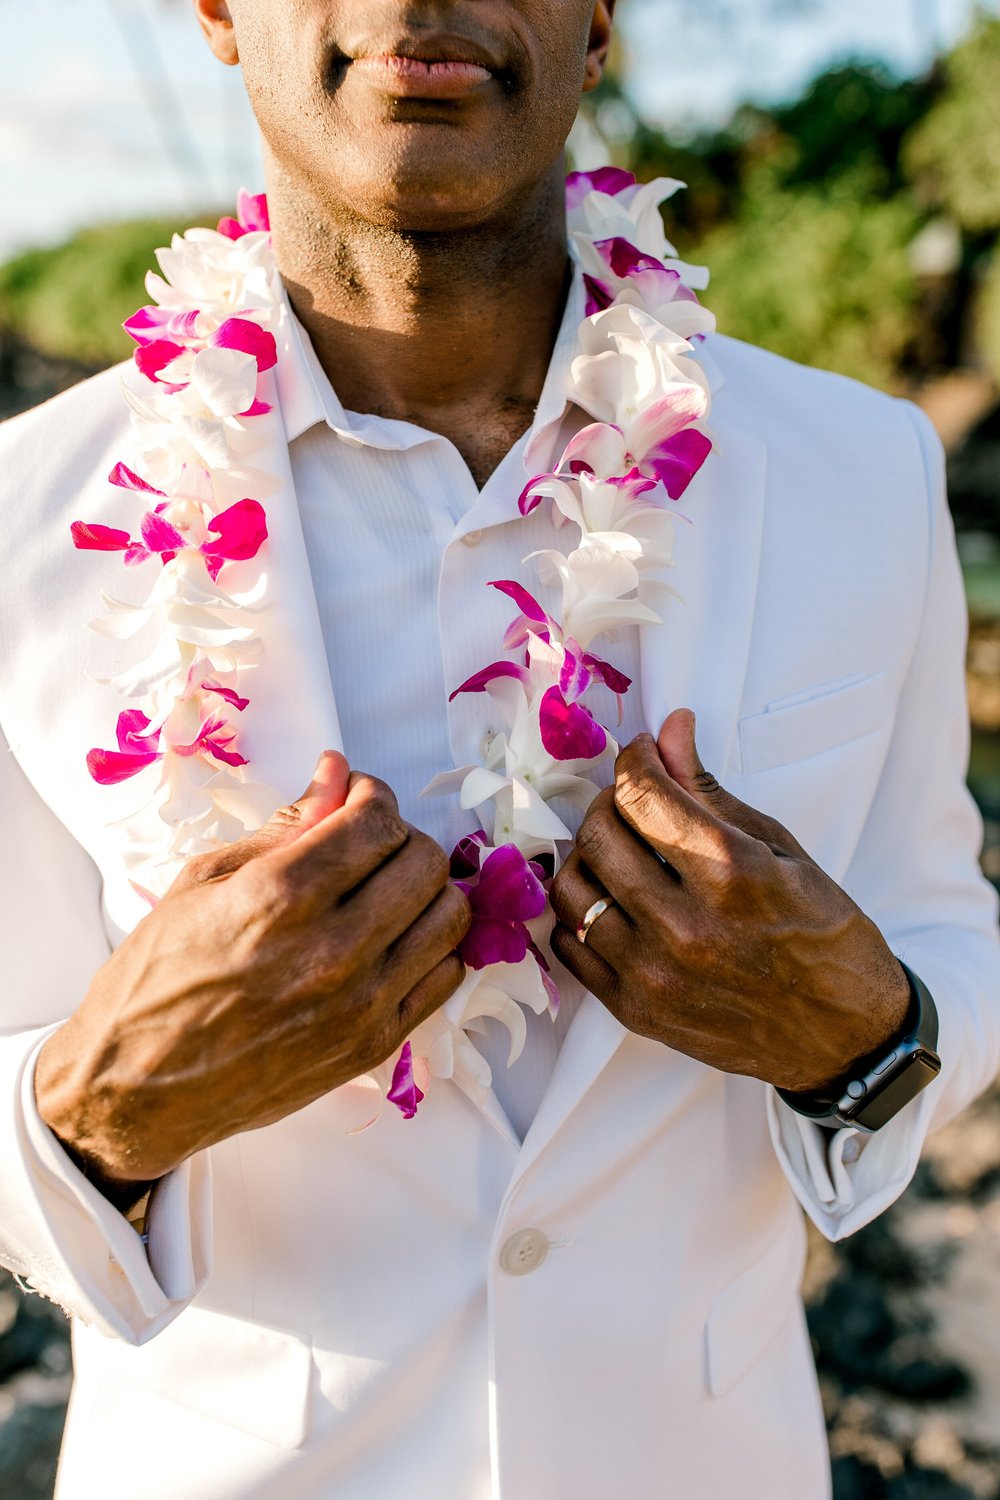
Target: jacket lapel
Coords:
[[696, 659], [296, 714]]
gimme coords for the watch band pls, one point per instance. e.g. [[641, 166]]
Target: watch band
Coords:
[[878, 1087]]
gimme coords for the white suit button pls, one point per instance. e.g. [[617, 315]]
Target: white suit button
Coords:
[[472, 538], [524, 1252]]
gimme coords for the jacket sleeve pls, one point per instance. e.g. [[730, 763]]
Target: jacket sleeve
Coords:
[[57, 1233], [916, 874]]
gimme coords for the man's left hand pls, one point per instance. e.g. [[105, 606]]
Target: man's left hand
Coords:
[[725, 940]]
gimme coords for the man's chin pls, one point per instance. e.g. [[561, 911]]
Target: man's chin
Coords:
[[421, 193]]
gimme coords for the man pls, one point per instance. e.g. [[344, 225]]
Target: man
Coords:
[[587, 1284]]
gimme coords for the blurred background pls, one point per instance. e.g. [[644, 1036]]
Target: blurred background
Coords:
[[843, 162]]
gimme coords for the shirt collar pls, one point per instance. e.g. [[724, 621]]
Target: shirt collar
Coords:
[[307, 397]]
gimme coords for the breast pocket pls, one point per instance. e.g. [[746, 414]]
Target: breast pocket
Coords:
[[796, 728]]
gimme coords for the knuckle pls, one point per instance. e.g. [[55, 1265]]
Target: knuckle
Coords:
[[286, 817], [458, 915], [560, 893], [434, 862], [593, 838], [637, 795], [270, 889], [705, 783]]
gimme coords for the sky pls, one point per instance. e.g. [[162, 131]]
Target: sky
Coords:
[[115, 108]]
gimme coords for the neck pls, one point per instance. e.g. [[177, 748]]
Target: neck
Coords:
[[453, 331]]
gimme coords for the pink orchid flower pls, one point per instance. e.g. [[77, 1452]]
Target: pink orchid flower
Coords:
[[251, 216], [659, 444], [508, 894], [139, 747], [240, 532], [610, 180], [403, 1091], [156, 354]]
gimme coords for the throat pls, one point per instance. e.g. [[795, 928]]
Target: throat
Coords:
[[483, 438]]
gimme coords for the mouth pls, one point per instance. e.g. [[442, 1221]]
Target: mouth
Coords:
[[433, 67]]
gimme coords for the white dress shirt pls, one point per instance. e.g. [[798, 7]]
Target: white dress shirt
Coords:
[[402, 546]]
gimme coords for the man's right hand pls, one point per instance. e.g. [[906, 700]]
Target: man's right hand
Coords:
[[271, 972]]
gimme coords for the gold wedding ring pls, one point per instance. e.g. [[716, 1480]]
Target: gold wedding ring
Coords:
[[591, 915]]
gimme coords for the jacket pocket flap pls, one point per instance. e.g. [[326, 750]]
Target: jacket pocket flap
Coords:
[[794, 729], [243, 1374], [746, 1315]]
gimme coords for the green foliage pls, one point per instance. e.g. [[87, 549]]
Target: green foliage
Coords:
[[954, 153], [70, 302], [819, 274], [851, 118]]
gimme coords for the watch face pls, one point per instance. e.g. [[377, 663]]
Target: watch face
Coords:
[[886, 1099]]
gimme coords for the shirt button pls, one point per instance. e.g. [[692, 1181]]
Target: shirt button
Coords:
[[472, 538], [524, 1252]]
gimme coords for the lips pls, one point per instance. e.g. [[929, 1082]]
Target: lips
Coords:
[[428, 67], [415, 78]]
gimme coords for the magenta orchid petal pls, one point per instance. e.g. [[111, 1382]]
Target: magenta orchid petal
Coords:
[[136, 554], [159, 535], [599, 295], [403, 1091], [467, 854], [91, 537], [610, 180], [527, 502], [132, 732], [230, 695], [257, 409], [568, 731], [229, 757], [524, 601], [248, 338], [153, 357], [609, 675], [676, 462], [508, 888], [251, 210], [147, 325], [548, 983], [126, 479], [633, 484], [532, 618], [492, 941], [480, 681], [241, 532], [231, 228], [623, 259], [108, 767]]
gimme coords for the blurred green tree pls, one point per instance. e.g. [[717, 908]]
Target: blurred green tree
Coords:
[[953, 155]]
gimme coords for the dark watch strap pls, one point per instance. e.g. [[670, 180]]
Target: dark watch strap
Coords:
[[878, 1087]]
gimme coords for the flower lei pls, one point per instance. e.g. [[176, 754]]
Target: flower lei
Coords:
[[199, 416]]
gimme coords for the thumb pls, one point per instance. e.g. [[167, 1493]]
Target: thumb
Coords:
[[324, 795], [682, 763]]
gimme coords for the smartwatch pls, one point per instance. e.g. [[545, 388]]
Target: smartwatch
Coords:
[[878, 1088]]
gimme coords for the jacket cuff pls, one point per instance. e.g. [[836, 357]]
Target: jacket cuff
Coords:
[[845, 1178], [69, 1244]]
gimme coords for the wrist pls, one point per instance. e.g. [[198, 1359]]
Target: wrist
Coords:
[[67, 1109], [883, 1082]]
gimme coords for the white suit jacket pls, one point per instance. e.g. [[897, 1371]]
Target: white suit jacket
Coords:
[[328, 1315]]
